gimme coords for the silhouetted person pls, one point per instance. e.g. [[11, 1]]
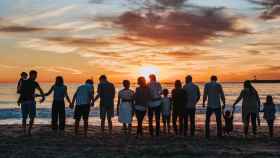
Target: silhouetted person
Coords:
[[154, 104], [166, 110], [83, 100], [142, 98], [58, 106], [213, 92], [23, 76], [28, 103], [250, 106], [269, 113], [179, 96], [193, 96], [228, 117], [106, 93], [124, 106]]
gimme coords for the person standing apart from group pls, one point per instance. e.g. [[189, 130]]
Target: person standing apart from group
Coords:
[[142, 98], [179, 100], [83, 100], [28, 103], [124, 106], [106, 94], [58, 107], [193, 96], [250, 106], [154, 104], [213, 94]]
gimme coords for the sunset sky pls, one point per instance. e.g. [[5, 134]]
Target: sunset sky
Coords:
[[79, 39]]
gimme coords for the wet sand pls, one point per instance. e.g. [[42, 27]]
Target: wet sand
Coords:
[[46, 144]]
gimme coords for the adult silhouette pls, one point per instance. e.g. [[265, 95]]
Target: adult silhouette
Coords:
[[193, 96], [59, 90], [154, 104], [250, 106], [84, 99], [142, 98], [179, 96], [213, 94], [106, 92], [28, 103]]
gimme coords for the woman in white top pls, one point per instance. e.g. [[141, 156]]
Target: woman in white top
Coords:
[[125, 103]]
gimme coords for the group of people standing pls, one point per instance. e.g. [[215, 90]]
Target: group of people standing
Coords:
[[149, 97]]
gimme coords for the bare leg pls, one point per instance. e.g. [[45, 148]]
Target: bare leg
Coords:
[[85, 127], [77, 125], [24, 125], [110, 124], [30, 126], [102, 125]]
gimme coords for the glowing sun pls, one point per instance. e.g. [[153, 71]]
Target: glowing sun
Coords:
[[145, 71]]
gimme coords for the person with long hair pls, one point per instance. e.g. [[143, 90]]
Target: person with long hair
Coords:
[[142, 98], [59, 90], [250, 106]]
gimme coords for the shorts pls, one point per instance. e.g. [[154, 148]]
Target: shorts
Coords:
[[82, 111], [106, 111], [28, 108]]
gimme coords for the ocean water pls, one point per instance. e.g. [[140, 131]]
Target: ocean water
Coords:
[[10, 113]]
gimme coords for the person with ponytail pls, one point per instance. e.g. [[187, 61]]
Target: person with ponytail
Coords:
[[250, 106]]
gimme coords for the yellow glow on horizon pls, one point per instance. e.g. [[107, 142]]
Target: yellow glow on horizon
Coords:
[[145, 71]]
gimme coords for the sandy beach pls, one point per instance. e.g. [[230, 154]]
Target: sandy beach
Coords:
[[46, 144]]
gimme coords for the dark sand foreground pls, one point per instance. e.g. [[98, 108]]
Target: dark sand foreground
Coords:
[[46, 144]]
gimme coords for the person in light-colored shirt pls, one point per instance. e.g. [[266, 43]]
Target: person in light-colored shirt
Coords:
[[106, 93], [193, 96], [213, 94], [154, 104], [84, 100]]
